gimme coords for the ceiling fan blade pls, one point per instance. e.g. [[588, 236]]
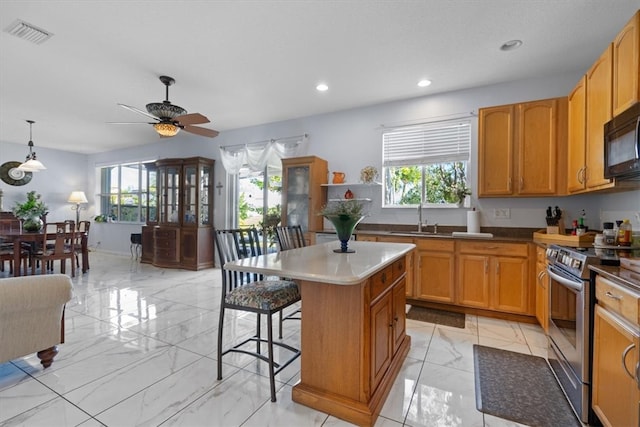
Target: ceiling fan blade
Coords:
[[210, 133], [192, 119], [139, 111]]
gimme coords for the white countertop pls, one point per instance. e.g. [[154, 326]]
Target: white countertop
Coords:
[[319, 263]]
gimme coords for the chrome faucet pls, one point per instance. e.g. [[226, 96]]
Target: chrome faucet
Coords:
[[420, 218], [435, 228]]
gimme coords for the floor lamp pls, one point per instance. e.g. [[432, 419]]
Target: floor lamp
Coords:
[[77, 197]]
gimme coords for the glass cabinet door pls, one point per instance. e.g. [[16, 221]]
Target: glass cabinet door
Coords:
[[173, 194], [206, 205], [150, 198], [298, 196], [190, 194]]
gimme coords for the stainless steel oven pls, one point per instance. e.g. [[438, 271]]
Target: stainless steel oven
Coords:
[[571, 305]]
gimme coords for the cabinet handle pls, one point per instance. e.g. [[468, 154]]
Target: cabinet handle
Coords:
[[391, 325], [521, 183], [497, 269], [610, 295], [509, 185], [638, 374], [624, 365], [486, 266], [395, 318], [383, 278]]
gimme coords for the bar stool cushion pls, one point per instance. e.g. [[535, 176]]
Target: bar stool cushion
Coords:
[[264, 294]]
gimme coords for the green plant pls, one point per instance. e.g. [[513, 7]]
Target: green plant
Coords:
[[350, 208], [100, 218], [34, 207]]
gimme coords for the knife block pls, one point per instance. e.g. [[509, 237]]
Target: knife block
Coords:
[[557, 229]]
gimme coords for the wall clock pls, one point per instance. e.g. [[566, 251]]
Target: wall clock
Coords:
[[10, 174]]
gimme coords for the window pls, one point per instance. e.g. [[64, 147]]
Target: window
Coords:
[[123, 192], [426, 164]]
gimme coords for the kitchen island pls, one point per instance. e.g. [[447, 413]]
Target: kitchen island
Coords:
[[353, 335]]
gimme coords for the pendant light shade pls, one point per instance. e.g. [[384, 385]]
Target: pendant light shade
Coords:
[[31, 164]]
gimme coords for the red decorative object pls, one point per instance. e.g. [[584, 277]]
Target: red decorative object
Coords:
[[348, 194]]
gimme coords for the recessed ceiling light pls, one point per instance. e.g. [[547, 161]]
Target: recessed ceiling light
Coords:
[[511, 45], [424, 83], [322, 87]]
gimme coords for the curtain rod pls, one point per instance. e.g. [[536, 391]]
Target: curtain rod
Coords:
[[226, 147], [433, 119]]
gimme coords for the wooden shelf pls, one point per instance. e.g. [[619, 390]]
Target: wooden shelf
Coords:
[[353, 184]]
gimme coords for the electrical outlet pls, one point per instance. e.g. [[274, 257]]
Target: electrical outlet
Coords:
[[502, 213]]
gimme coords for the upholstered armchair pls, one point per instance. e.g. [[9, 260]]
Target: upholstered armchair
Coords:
[[32, 316]]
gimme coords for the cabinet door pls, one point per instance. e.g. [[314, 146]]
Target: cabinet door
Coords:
[[381, 336], [190, 195], [399, 308], [626, 66], [495, 150], [510, 288], [537, 147], [576, 152], [436, 273], [302, 193], [542, 295], [616, 394], [473, 285], [599, 86]]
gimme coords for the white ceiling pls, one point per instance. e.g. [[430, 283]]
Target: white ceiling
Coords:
[[244, 63]]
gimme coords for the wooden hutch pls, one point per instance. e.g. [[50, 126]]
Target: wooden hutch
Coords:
[[179, 230]]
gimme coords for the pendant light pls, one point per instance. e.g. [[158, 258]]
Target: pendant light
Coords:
[[31, 164]]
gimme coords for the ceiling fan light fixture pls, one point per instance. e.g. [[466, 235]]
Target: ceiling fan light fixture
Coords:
[[166, 129], [165, 110]]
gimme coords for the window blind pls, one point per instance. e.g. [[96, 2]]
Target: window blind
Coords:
[[436, 142]]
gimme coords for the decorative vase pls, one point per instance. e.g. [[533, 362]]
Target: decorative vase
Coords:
[[32, 224], [338, 177], [344, 225]]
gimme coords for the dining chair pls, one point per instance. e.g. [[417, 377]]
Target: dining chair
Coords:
[[60, 247], [83, 226], [7, 248], [251, 292], [289, 237]]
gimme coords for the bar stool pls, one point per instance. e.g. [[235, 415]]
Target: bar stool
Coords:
[[136, 245]]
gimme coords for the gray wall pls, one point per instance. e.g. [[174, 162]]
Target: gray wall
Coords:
[[348, 140]]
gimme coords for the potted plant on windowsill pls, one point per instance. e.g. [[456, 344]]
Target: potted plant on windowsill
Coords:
[[31, 212], [344, 215]]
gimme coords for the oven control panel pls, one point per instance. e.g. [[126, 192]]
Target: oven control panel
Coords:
[[573, 260]]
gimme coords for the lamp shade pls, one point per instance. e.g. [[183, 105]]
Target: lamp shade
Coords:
[[77, 197], [32, 165]]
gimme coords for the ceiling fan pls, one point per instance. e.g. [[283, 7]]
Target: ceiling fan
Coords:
[[169, 118]]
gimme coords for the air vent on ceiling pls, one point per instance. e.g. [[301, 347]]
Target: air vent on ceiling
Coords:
[[28, 32]]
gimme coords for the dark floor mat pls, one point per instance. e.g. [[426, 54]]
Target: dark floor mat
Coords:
[[520, 388], [441, 317]]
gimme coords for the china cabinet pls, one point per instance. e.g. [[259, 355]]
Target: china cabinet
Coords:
[[179, 214], [302, 192]]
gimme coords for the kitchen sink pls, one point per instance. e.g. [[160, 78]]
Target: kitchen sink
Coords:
[[422, 233]]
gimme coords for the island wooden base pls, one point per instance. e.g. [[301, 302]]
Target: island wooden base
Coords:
[[350, 410]]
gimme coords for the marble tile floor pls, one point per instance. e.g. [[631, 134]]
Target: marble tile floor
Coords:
[[140, 350]]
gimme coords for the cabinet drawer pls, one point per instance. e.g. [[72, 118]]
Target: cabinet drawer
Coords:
[[165, 243], [438, 245], [617, 298], [381, 281], [399, 268], [541, 254], [165, 234], [490, 248]]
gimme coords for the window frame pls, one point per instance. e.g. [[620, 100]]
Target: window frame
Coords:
[[105, 196]]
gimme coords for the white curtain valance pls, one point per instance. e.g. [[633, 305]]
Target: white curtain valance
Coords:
[[258, 155]]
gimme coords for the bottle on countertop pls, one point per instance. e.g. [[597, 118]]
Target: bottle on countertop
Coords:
[[624, 233], [609, 234], [574, 227]]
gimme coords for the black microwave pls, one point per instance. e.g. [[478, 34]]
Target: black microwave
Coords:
[[622, 145]]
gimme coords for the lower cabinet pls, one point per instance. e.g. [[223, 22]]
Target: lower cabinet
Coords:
[[542, 289], [435, 271], [410, 260], [494, 276], [387, 329], [616, 360], [190, 248]]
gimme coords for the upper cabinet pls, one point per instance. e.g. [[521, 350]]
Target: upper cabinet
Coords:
[[610, 86], [519, 148], [626, 66], [302, 192]]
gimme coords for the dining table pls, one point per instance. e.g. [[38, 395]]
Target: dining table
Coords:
[[18, 236], [353, 334]]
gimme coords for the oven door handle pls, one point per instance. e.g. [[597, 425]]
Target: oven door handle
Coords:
[[577, 286]]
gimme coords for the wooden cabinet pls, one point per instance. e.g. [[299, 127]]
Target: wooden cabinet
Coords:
[[179, 230], [410, 259], [598, 112], [616, 360], [542, 289], [302, 193], [626, 66], [435, 271], [388, 320], [494, 276], [576, 142], [519, 147]]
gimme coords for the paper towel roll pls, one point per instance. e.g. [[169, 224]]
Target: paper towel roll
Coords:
[[473, 221]]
